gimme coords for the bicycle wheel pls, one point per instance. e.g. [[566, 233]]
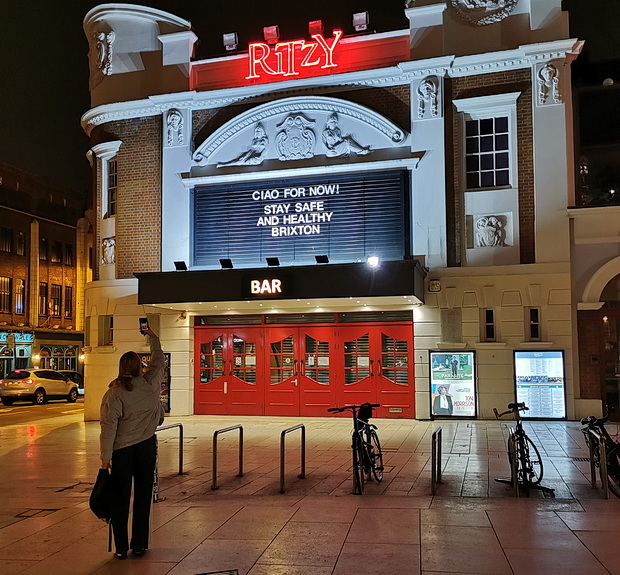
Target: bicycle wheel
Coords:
[[613, 471], [521, 461], [376, 456], [358, 465], [534, 464]]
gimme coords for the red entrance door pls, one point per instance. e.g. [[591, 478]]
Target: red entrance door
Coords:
[[227, 372], [299, 380]]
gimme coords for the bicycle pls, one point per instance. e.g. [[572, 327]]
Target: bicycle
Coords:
[[526, 465], [366, 447], [612, 450]]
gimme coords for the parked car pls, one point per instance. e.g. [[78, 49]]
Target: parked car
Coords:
[[37, 385], [76, 377]]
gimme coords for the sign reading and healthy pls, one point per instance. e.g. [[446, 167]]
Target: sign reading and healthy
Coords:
[[345, 218]]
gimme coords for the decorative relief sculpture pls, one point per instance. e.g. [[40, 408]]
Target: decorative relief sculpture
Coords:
[[483, 12], [174, 127], [491, 231], [427, 99], [254, 155], [108, 247], [103, 44], [338, 144], [548, 84], [296, 140]]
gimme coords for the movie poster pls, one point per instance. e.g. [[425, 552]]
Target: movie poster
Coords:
[[453, 384]]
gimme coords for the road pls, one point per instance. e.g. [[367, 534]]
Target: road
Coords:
[[26, 413]]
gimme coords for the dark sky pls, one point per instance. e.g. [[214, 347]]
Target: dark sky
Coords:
[[44, 68]]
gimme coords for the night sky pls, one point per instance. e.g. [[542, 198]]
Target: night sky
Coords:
[[44, 67]]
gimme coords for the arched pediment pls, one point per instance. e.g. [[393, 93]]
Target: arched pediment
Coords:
[[591, 298], [299, 128]]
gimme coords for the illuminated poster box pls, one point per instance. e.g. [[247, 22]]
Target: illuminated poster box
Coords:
[[540, 383], [453, 384]]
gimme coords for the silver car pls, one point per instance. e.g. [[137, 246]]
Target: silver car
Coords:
[[37, 385]]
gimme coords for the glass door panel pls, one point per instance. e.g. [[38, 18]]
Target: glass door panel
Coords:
[[316, 363], [356, 360], [244, 360], [211, 360], [395, 360]]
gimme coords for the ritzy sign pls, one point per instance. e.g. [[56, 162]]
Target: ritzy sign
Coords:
[[294, 58]]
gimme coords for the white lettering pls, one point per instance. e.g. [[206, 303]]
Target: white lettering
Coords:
[[309, 230], [309, 206], [276, 208], [265, 195], [328, 190], [266, 286]]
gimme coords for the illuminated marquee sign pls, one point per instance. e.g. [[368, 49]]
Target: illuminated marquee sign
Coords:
[[288, 58], [267, 286]]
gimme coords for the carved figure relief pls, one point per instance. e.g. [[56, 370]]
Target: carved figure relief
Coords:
[[491, 231], [108, 247], [296, 140], [548, 84], [174, 128], [427, 99], [103, 44], [338, 144], [254, 155], [483, 12]]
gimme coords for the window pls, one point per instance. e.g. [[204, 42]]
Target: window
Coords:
[[112, 186], [55, 299], [6, 240], [533, 322], [68, 255], [20, 296], [43, 298], [68, 301], [489, 139], [5, 294], [106, 330], [488, 325], [43, 249], [21, 244], [487, 153], [56, 252]]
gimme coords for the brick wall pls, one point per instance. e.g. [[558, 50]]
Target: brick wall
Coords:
[[591, 354], [486, 85]]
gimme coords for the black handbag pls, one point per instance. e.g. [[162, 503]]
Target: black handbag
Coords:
[[102, 499]]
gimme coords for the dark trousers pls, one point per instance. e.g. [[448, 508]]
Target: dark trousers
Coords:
[[135, 462]]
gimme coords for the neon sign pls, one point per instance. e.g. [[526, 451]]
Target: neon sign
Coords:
[[287, 58], [266, 286]]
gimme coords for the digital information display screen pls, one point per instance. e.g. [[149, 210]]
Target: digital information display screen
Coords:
[[453, 384], [540, 383]]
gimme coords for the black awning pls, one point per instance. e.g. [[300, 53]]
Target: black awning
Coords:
[[397, 278]]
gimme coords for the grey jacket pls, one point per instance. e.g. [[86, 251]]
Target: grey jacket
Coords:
[[129, 417]]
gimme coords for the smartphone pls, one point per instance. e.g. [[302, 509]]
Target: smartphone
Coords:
[[144, 325]]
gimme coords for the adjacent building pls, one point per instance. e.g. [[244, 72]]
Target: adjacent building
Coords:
[[340, 218]]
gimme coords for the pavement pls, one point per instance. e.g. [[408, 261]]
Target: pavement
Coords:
[[472, 525]]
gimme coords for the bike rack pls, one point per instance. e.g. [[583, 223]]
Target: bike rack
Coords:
[[602, 462], [214, 469], [302, 475], [156, 498], [436, 459], [180, 426]]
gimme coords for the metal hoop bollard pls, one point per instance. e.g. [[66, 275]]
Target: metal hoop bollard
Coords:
[[602, 462], [302, 475], [156, 498], [435, 459], [214, 467]]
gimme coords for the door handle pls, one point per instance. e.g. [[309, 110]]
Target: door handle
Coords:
[[225, 387], [294, 382], [372, 372]]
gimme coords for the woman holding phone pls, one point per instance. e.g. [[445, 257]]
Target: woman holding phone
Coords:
[[130, 413]]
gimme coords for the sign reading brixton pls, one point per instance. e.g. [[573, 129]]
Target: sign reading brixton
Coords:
[[344, 217]]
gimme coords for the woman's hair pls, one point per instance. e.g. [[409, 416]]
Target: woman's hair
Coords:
[[442, 387], [129, 366]]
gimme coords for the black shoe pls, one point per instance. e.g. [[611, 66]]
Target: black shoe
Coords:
[[121, 555], [139, 552]]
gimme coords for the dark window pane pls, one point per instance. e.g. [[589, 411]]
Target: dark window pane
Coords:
[[472, 164], [501, 160], [486, 126], [489, 332], [471, 145], [473, 181], [486, 144], [501, 178], [471, 128], [486, 162], [486, 180], [501, 142], [501, 124]]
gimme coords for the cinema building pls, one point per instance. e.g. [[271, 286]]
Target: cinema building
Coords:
[[344, 217]]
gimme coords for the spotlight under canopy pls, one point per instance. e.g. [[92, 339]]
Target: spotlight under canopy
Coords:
[[180, 266], [226, 264], [273, 262]]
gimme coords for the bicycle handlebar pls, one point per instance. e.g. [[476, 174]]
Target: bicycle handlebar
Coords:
[[341, 409], [512, 408]]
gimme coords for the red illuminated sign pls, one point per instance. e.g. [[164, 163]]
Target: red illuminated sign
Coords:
[[287, 58]]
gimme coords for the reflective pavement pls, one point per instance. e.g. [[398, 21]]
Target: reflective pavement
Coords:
[[473, 525]]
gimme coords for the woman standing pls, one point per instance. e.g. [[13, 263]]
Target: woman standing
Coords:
[[130, 412]]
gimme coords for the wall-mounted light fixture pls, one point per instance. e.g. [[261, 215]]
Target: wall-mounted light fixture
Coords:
[[360, 21], [180, 266], [373, 261], [230, 41], [321, 259], [226, 264], [271, 34], [273, 262]]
